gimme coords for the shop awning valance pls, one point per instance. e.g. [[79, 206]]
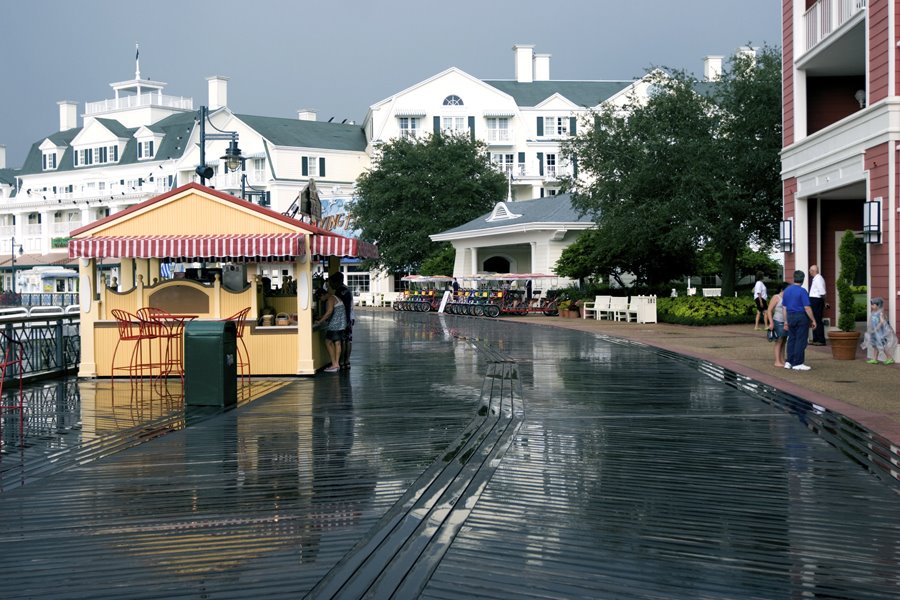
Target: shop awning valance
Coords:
[[337, 245], [204, 247]]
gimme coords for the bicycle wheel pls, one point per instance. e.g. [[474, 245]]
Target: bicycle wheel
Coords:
[[492, 310], [551, 309], [478, 310]]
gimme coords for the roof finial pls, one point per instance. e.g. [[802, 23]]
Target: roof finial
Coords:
[[137, 61]]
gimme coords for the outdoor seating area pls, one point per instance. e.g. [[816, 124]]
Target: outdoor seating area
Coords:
[[638, 309], [377, 299]]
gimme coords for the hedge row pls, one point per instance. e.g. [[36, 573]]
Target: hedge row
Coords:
[[699, 310]]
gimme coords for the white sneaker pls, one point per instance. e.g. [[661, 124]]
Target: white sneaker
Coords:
[[787, 365], [800, 368]]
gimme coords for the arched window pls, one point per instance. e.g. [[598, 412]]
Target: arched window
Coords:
[[496, 264], [453, 100]]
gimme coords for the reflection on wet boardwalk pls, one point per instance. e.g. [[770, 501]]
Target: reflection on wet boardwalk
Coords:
[[459, 458]]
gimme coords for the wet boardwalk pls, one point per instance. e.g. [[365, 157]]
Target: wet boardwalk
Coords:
[[465, 458]]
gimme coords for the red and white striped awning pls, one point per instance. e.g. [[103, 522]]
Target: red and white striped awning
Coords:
[[188, 247], [337, 245]]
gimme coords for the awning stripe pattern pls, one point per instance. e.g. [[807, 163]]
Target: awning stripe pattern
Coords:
[[336, 245], [263, 246]]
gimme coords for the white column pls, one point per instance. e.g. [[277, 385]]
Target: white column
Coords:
[[46, 231]]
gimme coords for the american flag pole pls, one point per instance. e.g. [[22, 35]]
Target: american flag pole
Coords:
[[137, 61]]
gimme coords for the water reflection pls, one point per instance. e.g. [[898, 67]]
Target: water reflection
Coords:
[[63, 416]]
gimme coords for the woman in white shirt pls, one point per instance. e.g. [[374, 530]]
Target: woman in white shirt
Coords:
[[760, 297]]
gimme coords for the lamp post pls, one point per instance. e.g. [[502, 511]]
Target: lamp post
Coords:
[[12, 251], [232, 158]]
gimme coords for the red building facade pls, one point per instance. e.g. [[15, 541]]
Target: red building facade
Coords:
[[841, 155]]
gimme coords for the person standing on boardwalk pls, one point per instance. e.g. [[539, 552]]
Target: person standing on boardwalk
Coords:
[[760, 298], [345, 295], [798, 319], [776, 324], [817, 303], [335, 322]]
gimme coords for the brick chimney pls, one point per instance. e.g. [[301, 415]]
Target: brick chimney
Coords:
[[524, 63], [68, 115], [218, 92]]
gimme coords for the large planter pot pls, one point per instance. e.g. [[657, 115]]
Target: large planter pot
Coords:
[[844, 344], [569, 314]]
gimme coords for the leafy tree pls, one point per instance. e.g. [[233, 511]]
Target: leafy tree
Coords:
[[749, 261], [695, 165], [417, 188], [441, 262]]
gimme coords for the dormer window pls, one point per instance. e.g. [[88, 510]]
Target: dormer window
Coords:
[[48, 161], [453, 100], [50, 154], [145, 150]]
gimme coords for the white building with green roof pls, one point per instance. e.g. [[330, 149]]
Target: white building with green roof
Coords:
[[142, 142], [522, 121]]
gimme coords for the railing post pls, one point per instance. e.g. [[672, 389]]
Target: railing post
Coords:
[[60, 343]]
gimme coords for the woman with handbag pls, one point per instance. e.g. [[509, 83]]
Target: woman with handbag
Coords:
[[335, 322]]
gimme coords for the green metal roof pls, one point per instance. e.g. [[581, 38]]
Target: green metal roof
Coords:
[[117, 128], [582, 93], [308, 134], [8, 176], [549, 209], [176, 129]]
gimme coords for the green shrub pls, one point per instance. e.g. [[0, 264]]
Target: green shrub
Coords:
[[697, 310]]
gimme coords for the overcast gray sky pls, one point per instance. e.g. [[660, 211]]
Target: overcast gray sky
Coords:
[[339, 56]]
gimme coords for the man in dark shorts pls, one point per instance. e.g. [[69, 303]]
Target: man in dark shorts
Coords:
[[344, 294]]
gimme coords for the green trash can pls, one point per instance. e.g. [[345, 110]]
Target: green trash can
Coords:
[[210, 364]]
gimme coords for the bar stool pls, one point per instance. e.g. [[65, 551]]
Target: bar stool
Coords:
[[130, 330], [240, 319], [168, 329]]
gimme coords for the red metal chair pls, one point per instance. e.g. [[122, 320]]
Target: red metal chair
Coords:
[[11, 367], [130, 330], [240, 320], [168, 329]]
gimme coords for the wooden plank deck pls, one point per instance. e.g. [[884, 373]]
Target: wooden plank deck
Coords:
[[464, 458]]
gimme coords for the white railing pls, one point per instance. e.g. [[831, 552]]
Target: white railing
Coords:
[[32, 229], [554, 172], [137, 101], [826, 16]]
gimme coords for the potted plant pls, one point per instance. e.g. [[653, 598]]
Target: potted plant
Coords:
[[845, 341], [568, 309]]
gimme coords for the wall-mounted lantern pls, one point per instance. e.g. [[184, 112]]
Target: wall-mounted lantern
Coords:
[[787, 235], [872, 221]]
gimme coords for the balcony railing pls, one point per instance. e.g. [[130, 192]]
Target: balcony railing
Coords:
[[826, 16], [138, 101]]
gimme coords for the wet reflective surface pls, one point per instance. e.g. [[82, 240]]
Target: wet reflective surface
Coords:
[[458, 458]]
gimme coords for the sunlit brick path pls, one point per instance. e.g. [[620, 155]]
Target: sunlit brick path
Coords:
[[465, 458]]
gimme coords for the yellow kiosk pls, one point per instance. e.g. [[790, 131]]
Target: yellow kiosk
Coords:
[[230, 238]]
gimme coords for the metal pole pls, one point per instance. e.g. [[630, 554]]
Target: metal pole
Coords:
[[202, 143], [13, 253]]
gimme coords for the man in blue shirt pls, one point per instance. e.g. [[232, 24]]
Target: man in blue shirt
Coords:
[[798, 319]]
